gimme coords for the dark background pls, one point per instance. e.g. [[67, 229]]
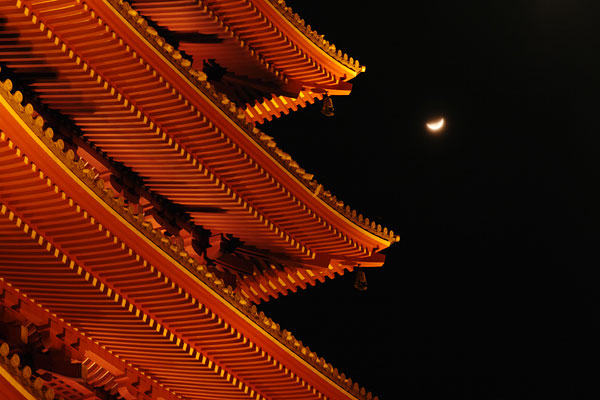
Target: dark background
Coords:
[[492, 291]]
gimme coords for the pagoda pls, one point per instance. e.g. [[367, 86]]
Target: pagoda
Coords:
[[144, 213]]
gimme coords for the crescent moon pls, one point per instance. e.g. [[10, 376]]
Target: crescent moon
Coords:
[[435, 126]]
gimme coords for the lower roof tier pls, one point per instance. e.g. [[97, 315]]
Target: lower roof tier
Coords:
[[76, 261]]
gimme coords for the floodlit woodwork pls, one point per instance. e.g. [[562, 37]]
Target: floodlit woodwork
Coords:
[[143, 212]]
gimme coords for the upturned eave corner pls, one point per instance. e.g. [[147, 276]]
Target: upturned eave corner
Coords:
[[351, 66]]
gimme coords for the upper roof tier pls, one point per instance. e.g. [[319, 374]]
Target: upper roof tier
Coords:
[[258, 52], [161, 132]]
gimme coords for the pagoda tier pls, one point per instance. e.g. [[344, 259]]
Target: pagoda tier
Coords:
[[104, 304], [183, 155], [258, 52]]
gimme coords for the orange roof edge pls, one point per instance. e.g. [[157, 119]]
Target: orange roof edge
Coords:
[[321, 50]]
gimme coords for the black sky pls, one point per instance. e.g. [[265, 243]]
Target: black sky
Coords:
[[492, 291]]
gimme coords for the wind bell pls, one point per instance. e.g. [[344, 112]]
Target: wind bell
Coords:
[[327, 109], [360, 282]]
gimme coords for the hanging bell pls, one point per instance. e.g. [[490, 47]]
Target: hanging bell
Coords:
[[327, 109], [360, 281]]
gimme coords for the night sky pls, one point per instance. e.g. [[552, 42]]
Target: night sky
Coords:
[[492, 293]]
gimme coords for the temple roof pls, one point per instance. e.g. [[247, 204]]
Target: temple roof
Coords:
[[151, 212], [148, 108], [119, 294]]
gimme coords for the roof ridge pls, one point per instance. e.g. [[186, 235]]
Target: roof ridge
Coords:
[[238, 115], [117, 202], [314, 36]]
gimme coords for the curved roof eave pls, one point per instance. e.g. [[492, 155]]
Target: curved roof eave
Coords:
[[237, 116]]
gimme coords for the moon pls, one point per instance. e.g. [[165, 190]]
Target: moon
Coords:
[[436, 126]]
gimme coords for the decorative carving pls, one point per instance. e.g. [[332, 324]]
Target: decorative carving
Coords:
[[23, 375]]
